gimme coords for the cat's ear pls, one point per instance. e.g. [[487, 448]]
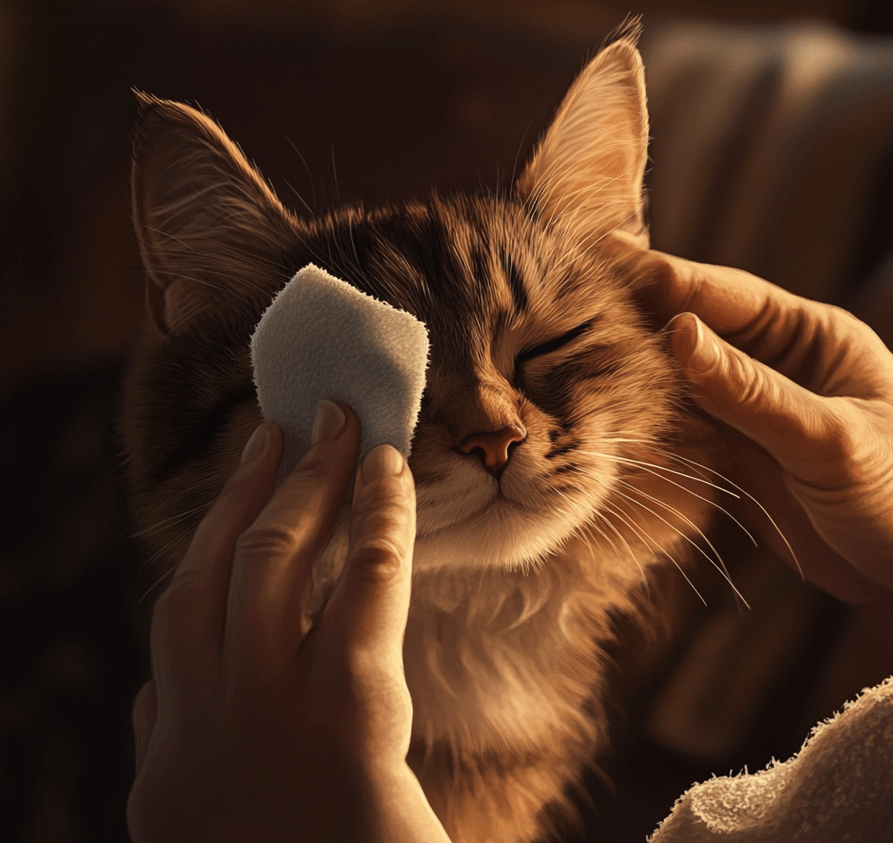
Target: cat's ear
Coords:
[[587, 170], [208, 224]]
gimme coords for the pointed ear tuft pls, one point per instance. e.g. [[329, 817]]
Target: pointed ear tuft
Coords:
[[207, 222], [587, 171]]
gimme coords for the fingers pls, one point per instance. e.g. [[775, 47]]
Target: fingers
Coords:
[[799, 429], [789, 333], [730, 300], [368, 612], [273, 564], [819, 346], [187, 620]]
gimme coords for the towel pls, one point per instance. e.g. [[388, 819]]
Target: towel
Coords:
[[323, 339], [838, 787]]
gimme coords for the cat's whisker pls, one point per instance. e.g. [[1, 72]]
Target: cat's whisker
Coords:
[[605, 536], [298, 196], [309, 176], [762, 508], [653, 468], [160, 553], [652, 545], [717, 563], [353, 243], [206, 480], [646, 584], [518, 156], [335, 176], [573, 503], [162, 580], [168, 522], [188, 316]]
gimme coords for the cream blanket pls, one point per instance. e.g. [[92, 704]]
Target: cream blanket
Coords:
[[839, 787]]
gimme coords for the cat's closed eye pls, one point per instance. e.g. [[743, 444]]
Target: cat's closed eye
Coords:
[[549, 346]]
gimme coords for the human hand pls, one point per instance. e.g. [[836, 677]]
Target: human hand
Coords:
[[254, 727], [810, 388]]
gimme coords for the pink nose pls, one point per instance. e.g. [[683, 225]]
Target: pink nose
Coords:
[[493, 448]]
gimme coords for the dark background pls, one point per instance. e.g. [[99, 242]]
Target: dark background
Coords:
[[333, 100]]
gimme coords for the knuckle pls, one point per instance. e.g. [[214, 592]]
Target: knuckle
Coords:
[[387, 496], [267, 540], [750, 381], [388, 520], [312, 471], [380, 558], [843, 439]]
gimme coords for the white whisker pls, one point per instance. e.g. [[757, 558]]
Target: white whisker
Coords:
[[652, 544], [764, 511], [170, 521], [717, 563], [653, 468]]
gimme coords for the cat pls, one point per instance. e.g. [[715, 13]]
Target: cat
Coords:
[[558, 460]]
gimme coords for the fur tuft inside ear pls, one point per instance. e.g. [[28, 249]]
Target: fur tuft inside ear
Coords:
[[205, 218], [587, 171]]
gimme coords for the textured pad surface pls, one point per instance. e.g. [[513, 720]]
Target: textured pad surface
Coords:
[[322, 338]]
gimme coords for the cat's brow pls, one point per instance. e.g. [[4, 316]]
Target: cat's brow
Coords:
[[520, 299]]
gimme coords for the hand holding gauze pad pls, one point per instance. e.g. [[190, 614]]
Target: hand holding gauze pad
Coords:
[[321, 338]]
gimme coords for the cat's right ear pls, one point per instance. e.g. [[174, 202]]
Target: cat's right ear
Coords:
[[209, 226]]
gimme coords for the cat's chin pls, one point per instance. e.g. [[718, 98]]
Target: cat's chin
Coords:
[[502, 535]]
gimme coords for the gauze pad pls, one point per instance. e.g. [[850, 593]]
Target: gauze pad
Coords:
[[322, 338]]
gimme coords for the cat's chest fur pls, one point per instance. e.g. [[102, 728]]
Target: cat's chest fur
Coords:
[[503, 659]]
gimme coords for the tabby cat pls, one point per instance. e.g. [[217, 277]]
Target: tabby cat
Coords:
[[554, 452]]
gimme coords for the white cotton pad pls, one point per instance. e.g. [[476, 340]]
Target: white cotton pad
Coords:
[[323, 339]]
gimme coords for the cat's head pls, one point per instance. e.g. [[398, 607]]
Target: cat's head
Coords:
[[547, 396]]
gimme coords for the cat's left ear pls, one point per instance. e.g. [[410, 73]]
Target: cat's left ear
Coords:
[[587, 171]]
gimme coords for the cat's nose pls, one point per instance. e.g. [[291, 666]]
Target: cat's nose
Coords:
[[493, 448]]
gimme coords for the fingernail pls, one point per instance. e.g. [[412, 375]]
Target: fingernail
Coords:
[[256, 445], [705, 351], [329, 422], [381, 461], [693, 348]]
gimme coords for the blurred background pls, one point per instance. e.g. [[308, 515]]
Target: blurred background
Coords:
[[773, 151]]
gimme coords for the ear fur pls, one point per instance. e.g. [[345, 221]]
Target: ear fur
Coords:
[[206, 220], [587, 170]]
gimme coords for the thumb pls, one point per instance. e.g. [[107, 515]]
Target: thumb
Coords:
[[790, 422], [369, 608]]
